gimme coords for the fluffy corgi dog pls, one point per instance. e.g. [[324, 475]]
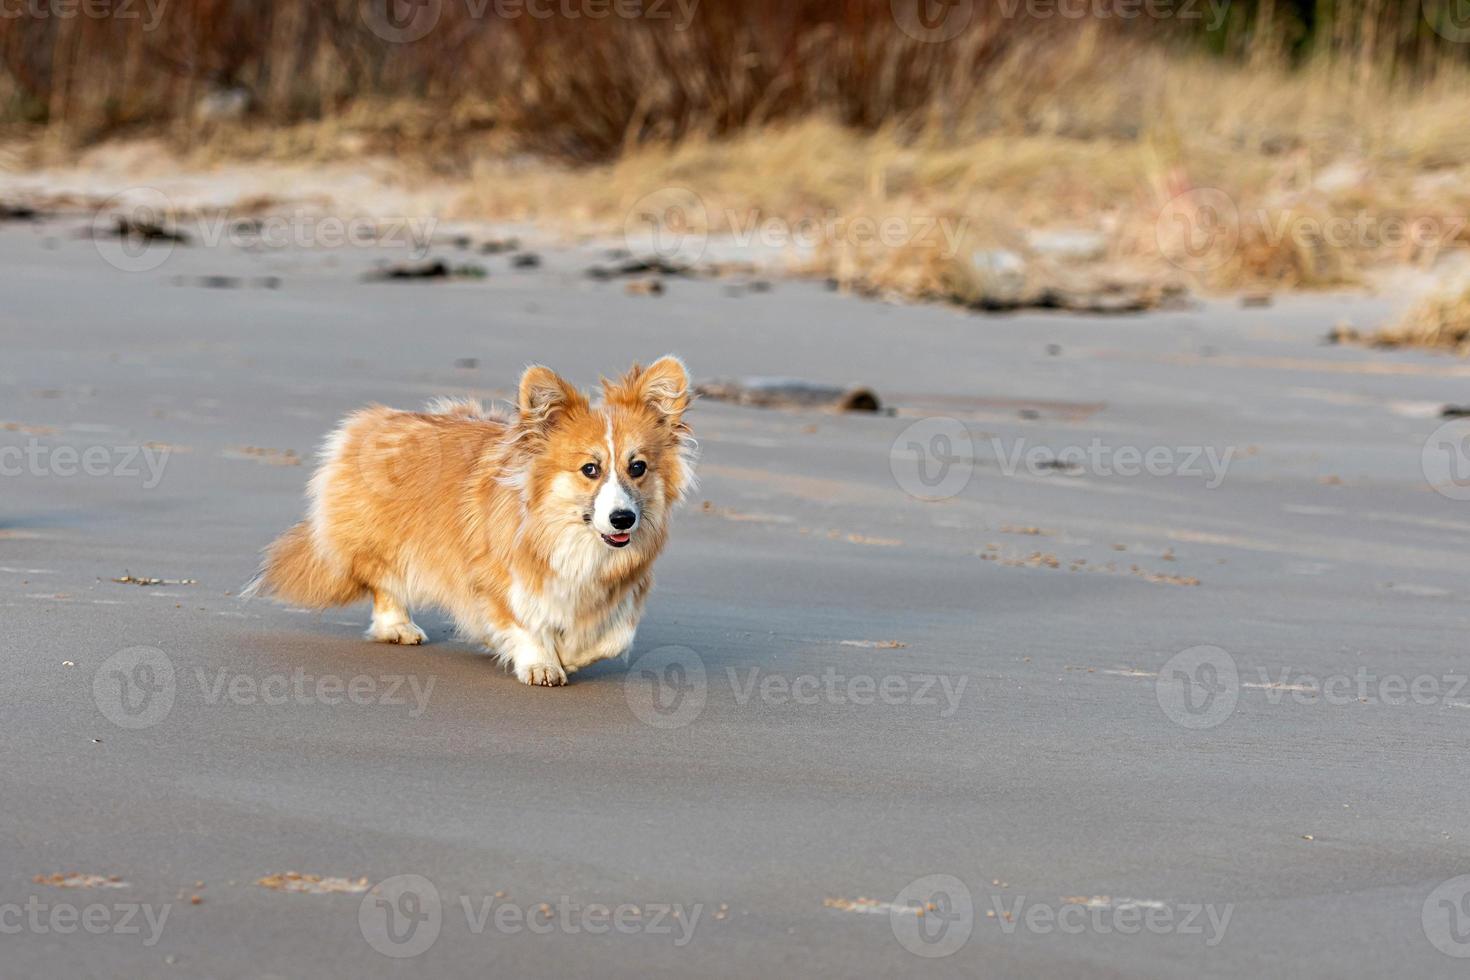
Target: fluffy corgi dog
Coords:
[[537, 533]]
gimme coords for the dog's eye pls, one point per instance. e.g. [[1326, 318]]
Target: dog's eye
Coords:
[[637, 469], [591, 471]]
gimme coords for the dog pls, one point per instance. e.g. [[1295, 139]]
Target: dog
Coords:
[[536, 531]]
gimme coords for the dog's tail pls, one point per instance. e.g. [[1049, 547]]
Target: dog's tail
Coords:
[[295, 571]]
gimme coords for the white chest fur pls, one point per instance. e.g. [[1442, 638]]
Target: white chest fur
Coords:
[[573, 588]]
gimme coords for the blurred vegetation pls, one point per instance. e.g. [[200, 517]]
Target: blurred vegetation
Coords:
[[585, 90], [1375, 36], [1439, 321], [1120, 127]]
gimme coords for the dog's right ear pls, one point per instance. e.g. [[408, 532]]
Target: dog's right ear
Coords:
[[545, 398]]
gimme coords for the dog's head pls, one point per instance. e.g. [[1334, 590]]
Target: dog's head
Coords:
[[616, 468]]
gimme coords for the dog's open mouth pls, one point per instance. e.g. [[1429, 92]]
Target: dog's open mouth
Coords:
[[621, 540]]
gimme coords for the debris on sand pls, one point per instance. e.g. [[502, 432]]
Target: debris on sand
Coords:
[[30, 430], [130, 579], [645, 287], [1004, 282], [1109, 902], [1042, 559], [292, 881], [652, 266], [271, 457], [1112, 298], [146, 231], [790, 393], [210, 282], [868, 539], [76, 879], [18, 212], [228, 282], [872, 906], [1037, 559], [731, 514], [497, 246], [874, 644], [1158, 578], [753, 286], [626, 268], [736, 270], [434, 269], [526, 260], [1060, 465], [833, 534]]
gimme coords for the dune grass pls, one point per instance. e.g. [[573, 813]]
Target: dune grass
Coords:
[[1294, 145], [1439, 321]]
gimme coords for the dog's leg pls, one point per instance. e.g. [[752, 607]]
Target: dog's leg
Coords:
[[614, 635], [614, 640], [534, 659], [391, 622]]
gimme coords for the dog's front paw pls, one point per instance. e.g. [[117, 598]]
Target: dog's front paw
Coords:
[[542, 675], [407, 634]]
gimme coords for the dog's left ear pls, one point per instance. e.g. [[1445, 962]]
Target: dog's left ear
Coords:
[[663, 386]]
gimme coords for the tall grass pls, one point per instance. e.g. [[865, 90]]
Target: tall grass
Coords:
[[1302, 112], [586, 89]]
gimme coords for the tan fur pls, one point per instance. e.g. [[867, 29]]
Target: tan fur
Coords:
[[300, 572], [490, 519]]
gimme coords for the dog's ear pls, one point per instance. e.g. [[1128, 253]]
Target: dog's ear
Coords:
[[662, 386], [545, 398], [665, 386]]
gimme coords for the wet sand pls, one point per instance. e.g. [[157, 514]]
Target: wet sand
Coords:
[[1163, 706]]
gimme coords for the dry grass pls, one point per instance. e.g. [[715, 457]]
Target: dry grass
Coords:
[[1440, 321], [581, 87], [1124, 136], [1293, 152]]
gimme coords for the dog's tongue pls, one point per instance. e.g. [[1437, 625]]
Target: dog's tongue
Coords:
[[619, 538]]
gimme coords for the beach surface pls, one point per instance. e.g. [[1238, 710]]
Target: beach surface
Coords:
[[1113, 646]]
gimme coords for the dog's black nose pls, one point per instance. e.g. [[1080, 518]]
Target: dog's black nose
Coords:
[[622, 519]]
